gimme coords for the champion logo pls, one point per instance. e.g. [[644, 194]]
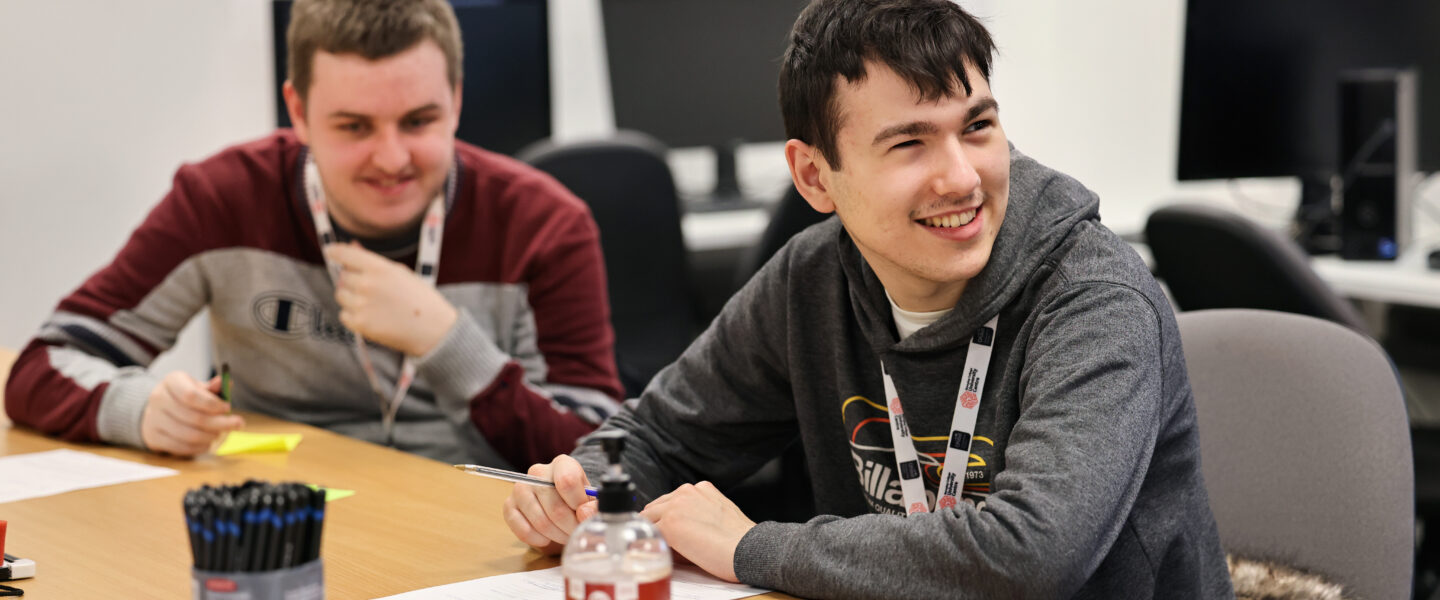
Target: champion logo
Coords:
[[895, 407], [283, 315], [969, 400], [946, 502], [917, 507]]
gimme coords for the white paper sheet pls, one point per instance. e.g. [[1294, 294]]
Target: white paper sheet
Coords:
[[686, 583], [38, 474]]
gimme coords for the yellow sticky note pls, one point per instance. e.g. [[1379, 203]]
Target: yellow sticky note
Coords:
[[332, 494], [241, 442]]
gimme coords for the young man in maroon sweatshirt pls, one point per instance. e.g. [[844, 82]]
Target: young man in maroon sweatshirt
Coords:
[[365, 272]]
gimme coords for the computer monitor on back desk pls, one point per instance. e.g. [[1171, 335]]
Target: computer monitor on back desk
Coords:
[[1305, 88], [700, 73]]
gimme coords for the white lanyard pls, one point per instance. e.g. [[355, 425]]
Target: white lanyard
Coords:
[[427, 265], [962, 429]]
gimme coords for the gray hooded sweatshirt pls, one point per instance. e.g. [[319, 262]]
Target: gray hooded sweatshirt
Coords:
[[1084, 473]]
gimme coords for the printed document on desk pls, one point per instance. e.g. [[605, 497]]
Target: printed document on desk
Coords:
[[25, 476], [686, 583]]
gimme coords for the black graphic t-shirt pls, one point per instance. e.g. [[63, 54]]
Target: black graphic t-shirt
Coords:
[[871, 448]]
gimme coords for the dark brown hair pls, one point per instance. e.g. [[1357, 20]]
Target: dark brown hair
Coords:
[[373, 29], [928, 43]]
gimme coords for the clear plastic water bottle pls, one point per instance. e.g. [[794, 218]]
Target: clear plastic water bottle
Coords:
[[616, 554]]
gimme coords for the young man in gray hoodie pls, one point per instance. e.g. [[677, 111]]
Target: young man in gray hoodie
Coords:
[[988, 384]]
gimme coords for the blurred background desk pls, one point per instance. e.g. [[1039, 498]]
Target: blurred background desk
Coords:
[[1405, 280]]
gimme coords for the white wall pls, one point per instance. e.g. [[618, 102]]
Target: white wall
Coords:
[[102, 100]]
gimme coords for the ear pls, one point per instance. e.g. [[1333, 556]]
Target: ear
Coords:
[[459, 89], [296, 107], [808, 169]]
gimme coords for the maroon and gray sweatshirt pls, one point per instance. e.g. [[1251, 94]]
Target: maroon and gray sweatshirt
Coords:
[[526, 370]]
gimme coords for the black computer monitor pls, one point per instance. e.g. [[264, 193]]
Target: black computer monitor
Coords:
[[1260, 90], [699, 72], [507, 71]]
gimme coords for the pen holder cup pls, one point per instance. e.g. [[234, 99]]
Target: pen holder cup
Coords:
[[305, 582]]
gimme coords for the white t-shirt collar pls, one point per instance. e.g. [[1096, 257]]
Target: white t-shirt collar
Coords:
[[908, 322]]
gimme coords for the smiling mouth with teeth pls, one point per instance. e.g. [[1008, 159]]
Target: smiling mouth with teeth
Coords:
[[950, 220]]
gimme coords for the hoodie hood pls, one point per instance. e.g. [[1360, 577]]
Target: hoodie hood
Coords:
[[1044, 207]]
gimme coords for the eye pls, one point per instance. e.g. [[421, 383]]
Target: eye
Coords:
[[351, 127], [905, 144], [418, 122], [978, 125]]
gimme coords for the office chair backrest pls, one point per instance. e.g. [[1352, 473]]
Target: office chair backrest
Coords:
[[627, 184], [1213, 258], [1305, 446], [791, 216]]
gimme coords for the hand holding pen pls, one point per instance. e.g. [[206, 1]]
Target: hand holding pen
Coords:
[[543, 516], [183, 416]]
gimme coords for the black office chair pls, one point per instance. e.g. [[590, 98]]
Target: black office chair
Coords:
[[627, 184], [1213, 258], [791, 216]]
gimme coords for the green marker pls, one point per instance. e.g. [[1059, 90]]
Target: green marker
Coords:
[[225, 382]]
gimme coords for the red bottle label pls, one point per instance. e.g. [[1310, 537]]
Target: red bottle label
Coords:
[[576, 589]]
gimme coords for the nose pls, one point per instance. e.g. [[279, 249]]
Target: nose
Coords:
[[954, 174], [390, 153]]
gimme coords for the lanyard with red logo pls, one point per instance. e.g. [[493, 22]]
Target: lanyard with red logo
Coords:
[[962, 429], [427, 265]]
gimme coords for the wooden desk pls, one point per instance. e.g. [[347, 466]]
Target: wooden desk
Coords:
[[413, 522]]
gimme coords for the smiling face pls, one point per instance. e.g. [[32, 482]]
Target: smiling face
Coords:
[[924, 185], [382, 133]]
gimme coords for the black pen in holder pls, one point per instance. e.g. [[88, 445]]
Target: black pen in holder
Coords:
[[256, 540]]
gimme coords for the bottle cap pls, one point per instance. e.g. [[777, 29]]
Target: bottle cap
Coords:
[[617, 493]]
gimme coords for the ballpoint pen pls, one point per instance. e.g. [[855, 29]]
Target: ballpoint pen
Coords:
[[512, 476]]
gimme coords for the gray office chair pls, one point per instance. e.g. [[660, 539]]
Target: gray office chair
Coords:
[[1213, 258], [1304, 445], [627, 184]]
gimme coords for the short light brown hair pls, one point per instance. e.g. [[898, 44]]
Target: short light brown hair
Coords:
[[374, 29]]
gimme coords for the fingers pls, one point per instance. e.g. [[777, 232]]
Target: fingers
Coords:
[[527, 502], [520, 526], [544, 517], [183, 416], [207, 424], [171, 444], [587, 510], [193, 395], [352, 256], [570, 481], [709, 490], [160, 433], [558, 512]]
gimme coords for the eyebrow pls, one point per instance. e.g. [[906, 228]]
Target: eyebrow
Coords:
[[340, 114], [915, 128]]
